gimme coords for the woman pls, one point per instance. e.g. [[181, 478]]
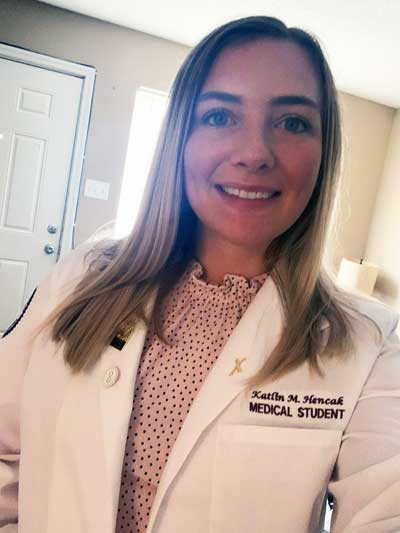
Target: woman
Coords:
[[205, 374]]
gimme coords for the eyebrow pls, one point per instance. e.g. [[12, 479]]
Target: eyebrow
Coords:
[[288, 99]]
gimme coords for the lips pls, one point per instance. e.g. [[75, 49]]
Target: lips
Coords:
[[247, 187], [248, 202]]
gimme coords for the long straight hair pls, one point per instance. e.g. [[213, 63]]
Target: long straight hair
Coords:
[[124, 275]]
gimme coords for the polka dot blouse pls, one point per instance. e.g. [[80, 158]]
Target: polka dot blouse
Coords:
[[197, 319]]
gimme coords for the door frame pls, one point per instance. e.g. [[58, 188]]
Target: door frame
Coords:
[[88, 76]]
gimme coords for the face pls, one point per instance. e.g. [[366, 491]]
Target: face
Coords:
[[250, 140]]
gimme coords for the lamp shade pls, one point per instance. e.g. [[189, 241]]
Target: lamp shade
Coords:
[[353, 275]]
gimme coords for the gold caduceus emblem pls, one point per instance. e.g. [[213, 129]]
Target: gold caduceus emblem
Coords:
[[238, 365]]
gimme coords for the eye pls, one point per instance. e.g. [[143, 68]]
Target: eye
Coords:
[[218, 118], [293, 123]]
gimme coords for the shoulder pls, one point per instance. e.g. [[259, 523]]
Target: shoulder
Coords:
[[383, 380], [72, 266], [91, 255], [383, 315]]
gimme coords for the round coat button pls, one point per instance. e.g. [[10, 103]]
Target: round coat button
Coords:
[[111, 376]]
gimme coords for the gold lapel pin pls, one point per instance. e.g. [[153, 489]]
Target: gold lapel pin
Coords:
[[238, 365], [122, 336]]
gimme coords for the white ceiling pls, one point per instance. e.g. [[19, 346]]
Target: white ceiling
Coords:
[[361, 38]]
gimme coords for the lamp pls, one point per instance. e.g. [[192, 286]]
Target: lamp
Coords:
[[356, 274]]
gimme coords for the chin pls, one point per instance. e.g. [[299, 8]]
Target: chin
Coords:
[[251, 244]]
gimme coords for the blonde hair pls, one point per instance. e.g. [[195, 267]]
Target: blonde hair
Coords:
[[125, 274]]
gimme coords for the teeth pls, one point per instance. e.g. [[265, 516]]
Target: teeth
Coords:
[[250, 195]]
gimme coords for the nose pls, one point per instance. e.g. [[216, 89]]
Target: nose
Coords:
[[253, 151]]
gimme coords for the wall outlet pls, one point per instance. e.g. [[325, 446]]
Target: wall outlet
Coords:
[[97, 189]]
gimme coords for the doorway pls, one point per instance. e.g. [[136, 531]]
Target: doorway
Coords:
[[45, 110]]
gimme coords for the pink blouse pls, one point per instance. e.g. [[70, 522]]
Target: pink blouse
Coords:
[[197, 319]]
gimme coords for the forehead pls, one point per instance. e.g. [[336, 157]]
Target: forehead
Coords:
[[262, 69]]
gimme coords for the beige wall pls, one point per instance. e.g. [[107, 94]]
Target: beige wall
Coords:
[[366, 131], [369, 219], [383, 244], [124, 59]]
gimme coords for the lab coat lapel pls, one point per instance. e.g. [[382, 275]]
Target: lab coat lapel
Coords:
[[250, 343], [118, 370]]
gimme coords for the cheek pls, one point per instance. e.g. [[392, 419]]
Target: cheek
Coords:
[[199, 163], [301, 167], [192, 170], [189, 164]]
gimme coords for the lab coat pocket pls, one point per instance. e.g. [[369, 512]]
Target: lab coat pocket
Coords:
[[271, 478]]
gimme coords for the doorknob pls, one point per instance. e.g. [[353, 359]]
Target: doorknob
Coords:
[[51, 228], [49, 249]]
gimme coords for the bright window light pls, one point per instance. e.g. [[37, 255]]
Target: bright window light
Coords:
[[149, 110]]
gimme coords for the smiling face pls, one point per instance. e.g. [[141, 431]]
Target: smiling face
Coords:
[[256, 130]]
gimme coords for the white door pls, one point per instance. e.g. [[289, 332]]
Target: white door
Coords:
[[38, 116]]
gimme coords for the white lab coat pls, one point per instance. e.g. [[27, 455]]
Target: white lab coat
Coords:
[[240, 463]]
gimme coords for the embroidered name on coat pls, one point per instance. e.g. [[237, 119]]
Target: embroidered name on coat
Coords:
[[290, 408]]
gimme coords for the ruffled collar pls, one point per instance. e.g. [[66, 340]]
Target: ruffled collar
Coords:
[[231, 282]]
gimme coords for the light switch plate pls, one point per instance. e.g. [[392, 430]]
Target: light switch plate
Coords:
[[97, 189]]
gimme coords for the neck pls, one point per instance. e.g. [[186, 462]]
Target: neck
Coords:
[[219, 257]]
